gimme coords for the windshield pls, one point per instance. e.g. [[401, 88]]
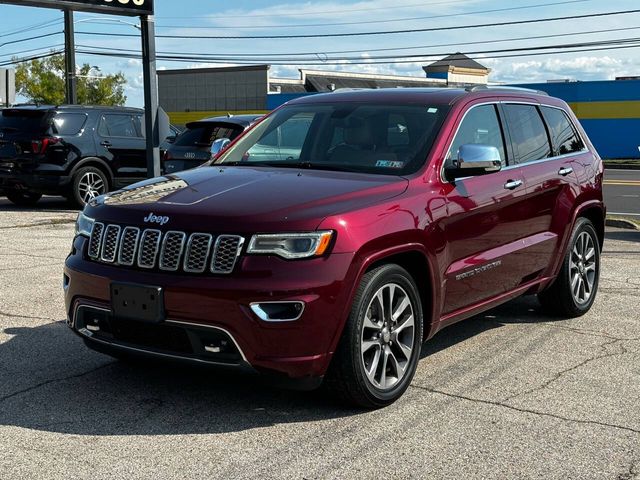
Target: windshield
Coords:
[[358, 137]]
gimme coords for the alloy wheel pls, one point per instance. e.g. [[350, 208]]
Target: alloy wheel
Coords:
[[582, 268], [388, 336], [90, 186]]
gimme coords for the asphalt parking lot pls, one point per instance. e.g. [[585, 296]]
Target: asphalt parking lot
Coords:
[[509, 394]]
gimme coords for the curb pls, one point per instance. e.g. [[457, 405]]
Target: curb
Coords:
[[621, 223]]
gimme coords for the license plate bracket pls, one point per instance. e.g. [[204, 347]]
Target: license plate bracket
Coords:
[[138, 302]]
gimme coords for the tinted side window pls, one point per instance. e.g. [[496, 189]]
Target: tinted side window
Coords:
[[528, 133], [68, 123], [480, 126], [117, 126], [564, 137]]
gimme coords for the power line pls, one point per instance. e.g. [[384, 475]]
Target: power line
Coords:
[[30, 28], [370, 22], [37, 37], [376, 59], [377, 33], [321, 55]]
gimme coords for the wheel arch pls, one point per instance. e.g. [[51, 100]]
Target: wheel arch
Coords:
[[596, 215], [94, 162]]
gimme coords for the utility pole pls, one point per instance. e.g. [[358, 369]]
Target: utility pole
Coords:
[[70, 58], [147, 22]]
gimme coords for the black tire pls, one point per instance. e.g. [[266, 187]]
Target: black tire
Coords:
[[23, 199], [347, 378], [87, 183], [561, 298]]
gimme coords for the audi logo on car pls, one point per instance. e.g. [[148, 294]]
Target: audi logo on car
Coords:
[[190, 155]]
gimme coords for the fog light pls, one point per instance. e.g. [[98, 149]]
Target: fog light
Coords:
[[278, 311]]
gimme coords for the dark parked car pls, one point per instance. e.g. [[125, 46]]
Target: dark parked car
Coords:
[[193, 146], [393, 214], [80, 152]]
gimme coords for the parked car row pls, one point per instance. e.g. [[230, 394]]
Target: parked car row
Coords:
[[82, 152]]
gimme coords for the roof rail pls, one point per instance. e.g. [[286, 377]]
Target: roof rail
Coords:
[[478, 88]]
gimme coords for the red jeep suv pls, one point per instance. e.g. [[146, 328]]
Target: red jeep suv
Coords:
[[334, 237]]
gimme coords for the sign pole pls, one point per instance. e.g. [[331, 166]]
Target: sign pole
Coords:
[[70, 58], [147, 23]]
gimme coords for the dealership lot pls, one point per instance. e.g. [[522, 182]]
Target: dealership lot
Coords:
[[509, 394]]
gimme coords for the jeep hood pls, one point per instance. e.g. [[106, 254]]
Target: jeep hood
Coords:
[[246, 199]]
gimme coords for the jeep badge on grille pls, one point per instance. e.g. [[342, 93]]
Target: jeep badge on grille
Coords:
[[151, 218]]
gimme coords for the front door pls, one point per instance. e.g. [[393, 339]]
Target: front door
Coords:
[[485, 218], [120, 142]]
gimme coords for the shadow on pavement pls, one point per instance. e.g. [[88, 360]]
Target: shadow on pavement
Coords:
[[50, 381], [46, 204], [624, 235]]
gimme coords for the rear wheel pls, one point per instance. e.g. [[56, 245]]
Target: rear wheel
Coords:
[[23, 199], [380, 346], [572, 294], [88, 183]]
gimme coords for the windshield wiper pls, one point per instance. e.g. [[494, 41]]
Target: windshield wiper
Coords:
[[279, 164]]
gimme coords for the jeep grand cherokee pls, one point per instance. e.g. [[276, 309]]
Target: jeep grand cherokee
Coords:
[[393, 214]]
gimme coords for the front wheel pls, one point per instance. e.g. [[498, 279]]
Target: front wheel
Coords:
[[23, 199], [379, 350], [573, 292]]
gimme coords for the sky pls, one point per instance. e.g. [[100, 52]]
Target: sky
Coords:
[[259, 17]]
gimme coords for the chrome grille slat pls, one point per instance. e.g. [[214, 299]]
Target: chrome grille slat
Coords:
[[172, 246], [195, 260], [128, 246], [148, 249], [168, 251], [110, 242], [226, 253], [96, 240]]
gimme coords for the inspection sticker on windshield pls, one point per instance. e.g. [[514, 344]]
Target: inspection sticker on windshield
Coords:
[[432, 110], [389, 164]]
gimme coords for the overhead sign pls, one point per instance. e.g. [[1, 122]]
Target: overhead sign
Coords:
[[115, 7]]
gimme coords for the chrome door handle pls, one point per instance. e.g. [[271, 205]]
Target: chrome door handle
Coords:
[[513, 184], [564, 171], [105, 143]]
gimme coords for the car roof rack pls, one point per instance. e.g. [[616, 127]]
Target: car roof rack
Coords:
[[479, 88]]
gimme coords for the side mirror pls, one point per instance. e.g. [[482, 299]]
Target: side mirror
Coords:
[[219, 145], [473, 160]]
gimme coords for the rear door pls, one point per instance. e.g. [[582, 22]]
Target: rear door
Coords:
[[485, 218], [120, 141], [545, 144]]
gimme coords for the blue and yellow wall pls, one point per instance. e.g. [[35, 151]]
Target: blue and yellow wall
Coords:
[[608, 110]]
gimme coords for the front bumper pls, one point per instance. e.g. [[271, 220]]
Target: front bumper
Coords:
[[196, 304]]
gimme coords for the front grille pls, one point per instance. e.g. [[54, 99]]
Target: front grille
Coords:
[[171, 251], [226, 253]]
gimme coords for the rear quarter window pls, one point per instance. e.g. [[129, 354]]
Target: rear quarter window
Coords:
[[68, 123]]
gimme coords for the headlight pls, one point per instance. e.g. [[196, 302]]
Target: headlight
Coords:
[[84, 225], [291, 245]]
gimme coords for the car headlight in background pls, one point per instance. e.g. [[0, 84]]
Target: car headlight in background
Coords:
[[291, 245], [84, 225]]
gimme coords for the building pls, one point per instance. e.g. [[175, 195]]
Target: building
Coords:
[[191, 94]]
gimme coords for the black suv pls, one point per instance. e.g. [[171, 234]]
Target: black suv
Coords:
[[79, 152]]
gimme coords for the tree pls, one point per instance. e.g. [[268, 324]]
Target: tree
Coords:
[[42, 81]]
